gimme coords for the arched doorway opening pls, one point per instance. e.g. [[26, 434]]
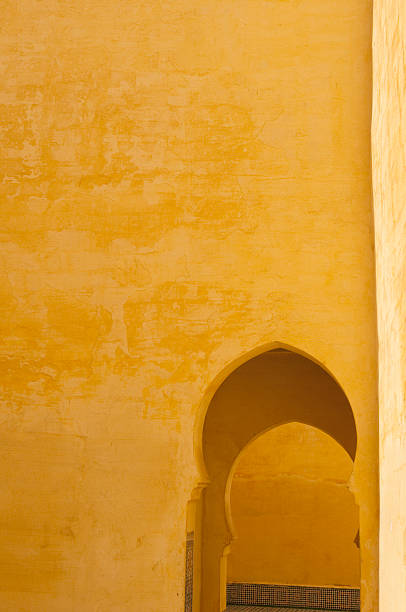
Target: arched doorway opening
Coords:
[[271, 389], [294, 520]]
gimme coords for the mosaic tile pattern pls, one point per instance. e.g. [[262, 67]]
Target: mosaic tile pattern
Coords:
[[267, 609], [293, 596], [190, 536]]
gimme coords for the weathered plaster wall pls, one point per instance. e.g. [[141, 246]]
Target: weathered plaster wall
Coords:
[[181, 182], [389, 159], [294, 517]]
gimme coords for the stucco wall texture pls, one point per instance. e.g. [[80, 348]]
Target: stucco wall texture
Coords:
[[389, 153], [182, 182]]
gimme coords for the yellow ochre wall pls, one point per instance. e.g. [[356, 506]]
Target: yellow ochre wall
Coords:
[[294, 518], [389, 154], [183, 183]]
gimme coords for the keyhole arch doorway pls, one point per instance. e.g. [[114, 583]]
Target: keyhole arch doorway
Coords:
[[269, 389]]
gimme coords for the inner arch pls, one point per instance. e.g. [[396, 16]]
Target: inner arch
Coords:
[[295, 521]]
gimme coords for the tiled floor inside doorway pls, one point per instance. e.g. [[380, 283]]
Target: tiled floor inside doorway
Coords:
[[268, 609]]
